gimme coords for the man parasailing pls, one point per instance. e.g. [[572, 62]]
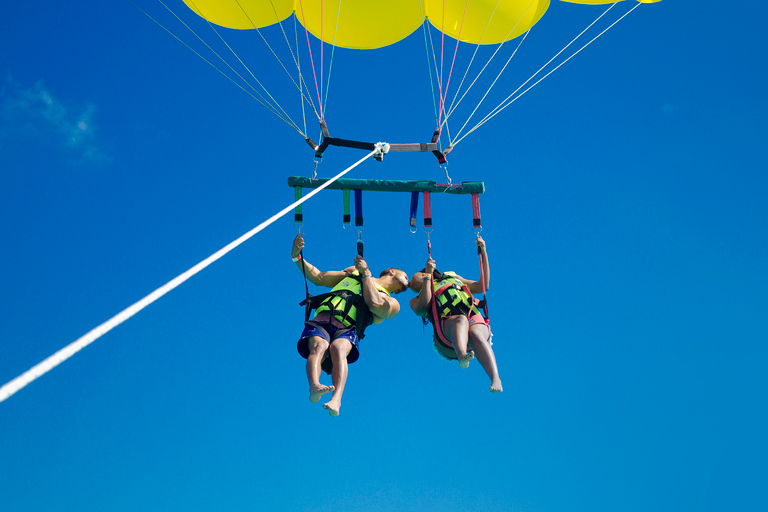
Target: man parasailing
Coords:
[[330, 340]]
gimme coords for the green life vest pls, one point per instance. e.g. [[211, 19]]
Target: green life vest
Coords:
[[346, 303], [453, 297]]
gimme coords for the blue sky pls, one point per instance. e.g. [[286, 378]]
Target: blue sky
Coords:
[[625, 218]]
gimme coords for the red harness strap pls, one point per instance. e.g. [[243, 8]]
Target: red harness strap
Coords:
[[437, 318]]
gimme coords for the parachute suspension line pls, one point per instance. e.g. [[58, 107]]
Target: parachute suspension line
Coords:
[[452, 109], [491, 86], [296, 63], [507, 102], [259, 99], [322, 64], [429, 63], [437, 74], [62, 355], [251, 73], [558, 54], [466, 72], [333, 52], [440, 82], [312, 61], [302, 82], [274, 105], [453, 61]]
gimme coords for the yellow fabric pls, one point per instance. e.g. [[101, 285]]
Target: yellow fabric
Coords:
[[510, 19], [601, 2], [242, 14], [365, 24], [362, 24]]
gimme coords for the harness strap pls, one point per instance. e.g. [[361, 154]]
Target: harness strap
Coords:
[[437, 323], [346, 217], [483, 303], [414, 209], [454, 307], [359, 220], [363, 316], [308, 311], [457, 305]]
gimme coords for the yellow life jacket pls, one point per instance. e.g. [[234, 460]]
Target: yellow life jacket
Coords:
[[450, 297], [453, 297], [346, 303]]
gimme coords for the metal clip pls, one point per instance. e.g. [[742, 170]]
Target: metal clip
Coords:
[[448, 178], [314, 172]]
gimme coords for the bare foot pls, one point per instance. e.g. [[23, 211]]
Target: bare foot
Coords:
[[496, 386], [464, 361], [315, 392], [332, 408]]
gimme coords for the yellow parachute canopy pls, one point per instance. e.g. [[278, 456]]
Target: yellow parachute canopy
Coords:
[[365, 24]]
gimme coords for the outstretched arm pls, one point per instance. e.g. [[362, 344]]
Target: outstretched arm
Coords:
[[420, 303], [477, 286], [314, 275], [381, 305]]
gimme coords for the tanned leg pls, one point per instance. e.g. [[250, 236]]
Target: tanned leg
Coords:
[[340, 349], [457, 328], [478, 338], [318, 348]]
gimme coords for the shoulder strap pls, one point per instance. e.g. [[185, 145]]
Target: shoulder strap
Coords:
[[363, 317]]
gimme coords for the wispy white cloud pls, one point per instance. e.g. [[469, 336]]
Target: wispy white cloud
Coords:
[[35, 110]]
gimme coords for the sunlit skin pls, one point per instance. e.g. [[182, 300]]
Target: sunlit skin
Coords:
[[381, 305], [469, 341]]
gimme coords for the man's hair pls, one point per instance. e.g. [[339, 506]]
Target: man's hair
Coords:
[[386, 271]]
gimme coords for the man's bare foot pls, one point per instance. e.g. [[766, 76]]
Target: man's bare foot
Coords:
[[316, 392], [464, 361], [496, 386], [332, 408]]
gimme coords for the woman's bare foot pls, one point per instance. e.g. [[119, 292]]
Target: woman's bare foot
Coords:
[[496, 386], [315, 392], [332, 408], [464, 361]]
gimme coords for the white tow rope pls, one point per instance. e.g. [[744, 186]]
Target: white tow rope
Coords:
[[62, 355]]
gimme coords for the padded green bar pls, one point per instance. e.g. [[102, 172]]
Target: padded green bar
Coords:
[[466, 187]]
